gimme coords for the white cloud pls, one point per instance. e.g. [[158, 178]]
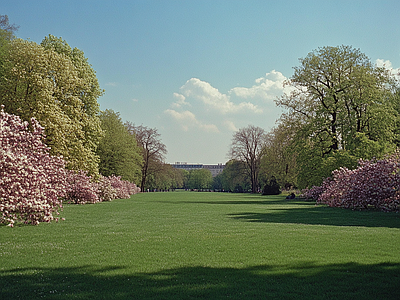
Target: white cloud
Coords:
[[230, 125], [210, 96], [388, 65], [266, 88], [135, 100], [111, 84], [180, 100], [187, 119]]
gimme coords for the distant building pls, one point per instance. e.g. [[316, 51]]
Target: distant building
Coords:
[[214, 169]]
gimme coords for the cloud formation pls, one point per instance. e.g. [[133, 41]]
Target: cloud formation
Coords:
[[388, 65], [187, 119], [180, 100], [239, 105], [209, 95], [267, 88]]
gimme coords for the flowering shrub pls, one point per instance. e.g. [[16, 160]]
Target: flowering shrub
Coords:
[[84, 189], [31, 181], [373, 185], [105, 191], [80, 188]]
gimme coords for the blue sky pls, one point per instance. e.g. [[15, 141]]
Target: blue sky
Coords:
[[199, 70]]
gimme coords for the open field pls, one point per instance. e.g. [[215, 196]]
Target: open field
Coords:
[[182, 245]]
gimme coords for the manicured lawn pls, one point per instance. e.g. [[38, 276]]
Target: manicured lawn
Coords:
[[182, 245]]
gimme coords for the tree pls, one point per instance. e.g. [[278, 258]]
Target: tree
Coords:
[[200, 179], [44, 84], [118, 150], [31, 181], [235, 177], [247, 146], [279, 159], [153, 150], [7, 30], [339, 102]]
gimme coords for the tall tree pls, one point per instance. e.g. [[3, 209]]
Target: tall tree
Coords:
[[6, 35], [279, 159], [44, 84], [235, 177], [153, 150], [118, 150], [339, 102], [7, 30], [247, 146]]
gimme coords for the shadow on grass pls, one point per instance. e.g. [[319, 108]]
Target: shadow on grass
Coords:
[[304, 281], [322, 215]]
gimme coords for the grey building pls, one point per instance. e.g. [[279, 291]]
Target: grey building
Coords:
[[214, 169]]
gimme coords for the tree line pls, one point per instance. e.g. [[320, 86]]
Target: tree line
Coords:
[[341, 109]]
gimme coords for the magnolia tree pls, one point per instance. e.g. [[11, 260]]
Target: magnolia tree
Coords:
[[31, 181], [83, 188], [373, 185]]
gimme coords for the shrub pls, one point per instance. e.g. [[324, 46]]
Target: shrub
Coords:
[[31, 181], [105, 191], [272, 187], [81, 188], [373, 185]]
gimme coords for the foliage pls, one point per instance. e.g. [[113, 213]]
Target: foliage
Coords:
[[88, 92], [374, 184], [235, 177], [279, 159], [165, 178], [31, 181], [200, 179], [247, 146], [6, 29], [41, 83], [271, 187], [153, 150], [339, 102], [118, 150]]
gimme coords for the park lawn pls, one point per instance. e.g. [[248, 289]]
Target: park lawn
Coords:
[[192, 245]]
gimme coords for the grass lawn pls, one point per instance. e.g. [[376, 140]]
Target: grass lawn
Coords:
[[182, 245]]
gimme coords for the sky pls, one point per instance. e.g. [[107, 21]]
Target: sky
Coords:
[[198, 71]]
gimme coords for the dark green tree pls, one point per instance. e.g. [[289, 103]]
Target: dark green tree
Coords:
[[200, 179], [118, 150], [235, 177]]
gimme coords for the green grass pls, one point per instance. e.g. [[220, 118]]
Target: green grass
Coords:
[[203, 246]]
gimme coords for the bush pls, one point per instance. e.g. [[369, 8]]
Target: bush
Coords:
[[81, 188], [272, 187], [105, 191], [31, 181], [373, 185]]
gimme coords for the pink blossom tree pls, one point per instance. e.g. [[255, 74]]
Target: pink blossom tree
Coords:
[[31, 181], [374, 184]]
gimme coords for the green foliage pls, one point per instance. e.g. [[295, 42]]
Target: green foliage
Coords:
[[340, 107], [199, 179], [279, 159], [44, 84], [235, 177], [166, 178], [118, 150]]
